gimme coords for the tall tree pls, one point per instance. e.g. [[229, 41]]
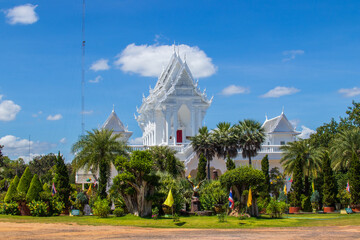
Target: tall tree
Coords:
[[201, 173], [230, 165], [297, 184], [203, 143], [136, 182], [354, 180], [345, 147], [265, 169], [1, 156], [225, 140], [329, 185], [97, 150], [42, 165], [309, 157], [61, 181], [250, 136]]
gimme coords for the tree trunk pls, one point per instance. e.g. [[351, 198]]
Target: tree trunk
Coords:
[[249, 160], [208, 169]]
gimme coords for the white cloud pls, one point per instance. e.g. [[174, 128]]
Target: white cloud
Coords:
[[88, 112], [291, 54], [280, 91], [149, 60], [305, 132], [8, 110], [100, 65], [294, 122], [96, 80], [63, 140], [17, 147], [136, 141], [54, 117], [23, 14], [350, 92], [232, 89], [37, 114]]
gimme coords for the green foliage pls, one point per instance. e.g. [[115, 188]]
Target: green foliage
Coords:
[[12, 190], [344, 198], [277, 182], [10, 208], [276, 208], [155, 213], [42, 166], [315, 197], [4, 184], [165, 160], [25, 181], [353, 113], [119, 212], [61, 181], [12, 168], [211, 194], [225, 140], [56, 207], [265, 170], [96, 151], [329, 187], [305, 203], [354, 180], [230, 165], [282, 197], [101, 208], [38, 208], [221, 217], [201, 173], [297, 184], [34, 190]]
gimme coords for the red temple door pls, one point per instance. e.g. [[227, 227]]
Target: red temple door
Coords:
[[179, 136]]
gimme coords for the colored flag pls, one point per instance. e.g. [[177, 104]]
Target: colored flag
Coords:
[[95, 182], [231, 200], [249, 201], [189, 176], [169, 200], [53, 189], [285, 189], [348, 186], [89, 191]]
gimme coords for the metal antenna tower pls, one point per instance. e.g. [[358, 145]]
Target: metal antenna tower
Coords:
[[83, 70]]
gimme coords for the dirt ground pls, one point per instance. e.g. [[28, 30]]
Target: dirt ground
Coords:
[[62, 231]]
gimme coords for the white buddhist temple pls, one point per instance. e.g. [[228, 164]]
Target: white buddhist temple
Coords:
[[174, 111]]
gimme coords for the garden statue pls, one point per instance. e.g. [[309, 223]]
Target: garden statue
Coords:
[[195, 202]]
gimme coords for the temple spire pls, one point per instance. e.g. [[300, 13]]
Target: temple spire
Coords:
[[113, 108]]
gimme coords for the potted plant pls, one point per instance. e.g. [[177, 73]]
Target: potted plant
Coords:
[[315, 199], [21, 200]]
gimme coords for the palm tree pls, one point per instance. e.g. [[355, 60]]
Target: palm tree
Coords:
[[249, 136], [96, 151], [225, 140], [345, 147], [309, 156], [165, 160], [203, 143]]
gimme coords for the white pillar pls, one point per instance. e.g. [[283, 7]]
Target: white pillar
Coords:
[[192, 116], [175, 115], [168, 127], [199, 124]]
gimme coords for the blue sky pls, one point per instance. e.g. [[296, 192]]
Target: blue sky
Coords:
[[254, 57]]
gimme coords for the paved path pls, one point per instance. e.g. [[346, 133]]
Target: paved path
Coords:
[[63, 231]]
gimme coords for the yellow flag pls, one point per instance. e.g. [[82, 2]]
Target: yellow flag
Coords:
[[249, 201], [189, 176], [313, 186], [285, 189], [89, 191], [169, 200]]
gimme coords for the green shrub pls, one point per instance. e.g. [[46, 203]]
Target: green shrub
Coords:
[[305, 203], [213, 193], [119, 212], [34, 190], [56, 207], [221, 217], [10, 195], [344, 197], [276, 208], [10, 208], [38, 208], [315, 197], [154, 213], [101, 208], [282, 197], [25, 181]]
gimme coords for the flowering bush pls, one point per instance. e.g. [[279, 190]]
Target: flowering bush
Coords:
[[9, 208], [56, 207], [38, 208]]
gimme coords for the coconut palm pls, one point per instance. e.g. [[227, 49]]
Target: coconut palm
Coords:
[[225, 140], [345, 147], [165, 160], [309, 156], [203, 143], [249, 136], [96, 151]]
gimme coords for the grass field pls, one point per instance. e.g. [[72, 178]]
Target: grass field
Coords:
[[201, 222]]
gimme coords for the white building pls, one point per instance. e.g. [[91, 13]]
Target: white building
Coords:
[[174, 111]]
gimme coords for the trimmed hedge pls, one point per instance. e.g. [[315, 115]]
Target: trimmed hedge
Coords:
[[10, 194], [34, 190], [25, 181]]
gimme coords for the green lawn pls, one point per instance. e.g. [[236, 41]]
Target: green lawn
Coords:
[[306, 220]]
